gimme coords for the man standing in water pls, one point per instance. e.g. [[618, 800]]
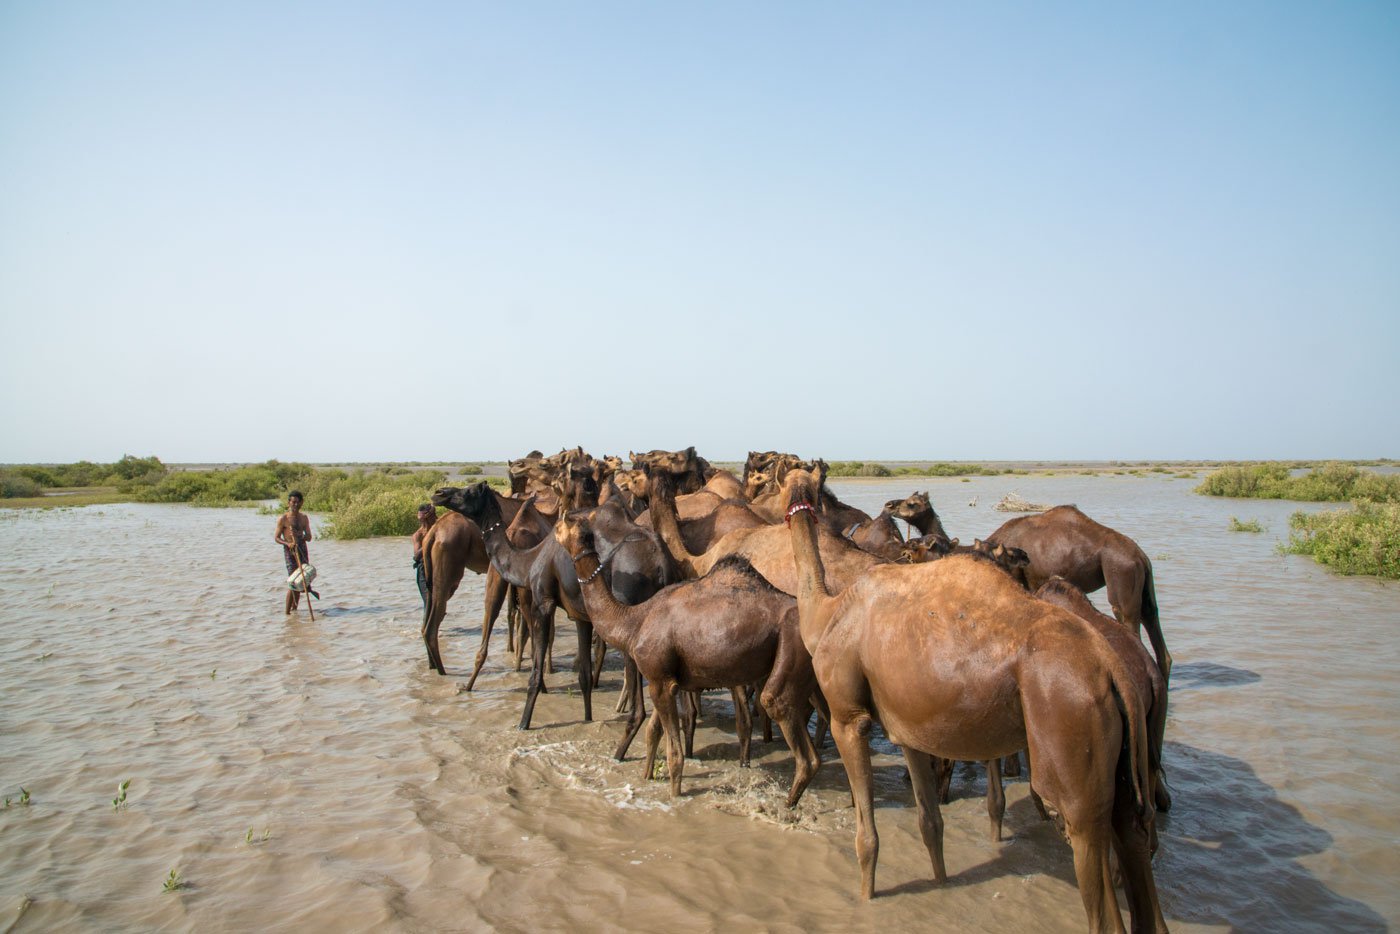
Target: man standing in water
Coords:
[[427, 515], [293, 531]]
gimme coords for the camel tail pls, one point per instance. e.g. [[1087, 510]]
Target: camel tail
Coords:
[[1153, 622], [1139, 755]]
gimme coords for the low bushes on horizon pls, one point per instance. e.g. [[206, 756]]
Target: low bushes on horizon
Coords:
[[1330, 483], [15, 485], [1361, 540], [942, 469], [857, 469]]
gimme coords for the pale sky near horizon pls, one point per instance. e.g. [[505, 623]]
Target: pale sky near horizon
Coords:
[[355, 231]]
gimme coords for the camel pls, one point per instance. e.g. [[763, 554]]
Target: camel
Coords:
[[1065, 542], [729, 629], [640, 567], [878, 535], [702, 532], [1147, 678], [768, 548], [452, 546], [687, 468], [956, 660], [917, 510]]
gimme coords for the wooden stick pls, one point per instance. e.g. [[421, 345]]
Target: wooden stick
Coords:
[[305, 585]]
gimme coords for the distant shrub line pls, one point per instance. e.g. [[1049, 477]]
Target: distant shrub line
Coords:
[[873, 469], [1330, 483], [361, 503]]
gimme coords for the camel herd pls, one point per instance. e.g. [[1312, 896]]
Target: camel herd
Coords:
[[771, 587]]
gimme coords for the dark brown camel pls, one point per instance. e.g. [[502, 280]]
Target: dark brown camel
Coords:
[[1066, 543], [452, 546], [728, 629], [1147, 678], [917, 510], [639, 567], [956, 660]]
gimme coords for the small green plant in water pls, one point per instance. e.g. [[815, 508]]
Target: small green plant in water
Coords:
[[173, 881], [23, 795], [1251, 526], [119, 801], [214, 673], [249, 839]]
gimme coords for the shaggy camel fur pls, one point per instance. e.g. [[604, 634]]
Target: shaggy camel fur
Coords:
[[454, 545], [768, 548], [1066, 543], [956, 660], [728, 629]]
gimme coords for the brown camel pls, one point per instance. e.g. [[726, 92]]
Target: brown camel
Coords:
[[956, 660], [728, 629], [688, 470], [700, 533], [1065, 542], [452, 546], [917, 510], [768, 548], [1147, 678]]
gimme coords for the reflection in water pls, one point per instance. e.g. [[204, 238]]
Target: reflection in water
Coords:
[[395, 800], [1198, 674]]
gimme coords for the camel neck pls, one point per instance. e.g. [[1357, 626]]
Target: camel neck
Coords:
[[615, 621], [513, 565], [664, 521], [926, 523], [813, 599]]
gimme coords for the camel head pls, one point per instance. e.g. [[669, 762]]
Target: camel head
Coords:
[[574, 534], [929, 547], [755, 483], [802, 489], [916, 509], [1013, 561], [469, 501], [580, 488]]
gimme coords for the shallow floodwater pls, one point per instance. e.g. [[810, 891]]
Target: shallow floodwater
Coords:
[[148, 643]]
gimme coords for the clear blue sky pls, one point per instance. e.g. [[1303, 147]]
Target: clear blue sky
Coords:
[[327, 231]]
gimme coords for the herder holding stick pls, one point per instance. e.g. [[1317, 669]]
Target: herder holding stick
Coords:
[[293, 532]]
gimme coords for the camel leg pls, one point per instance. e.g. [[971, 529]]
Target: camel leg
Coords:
[[663, 698], [792, 721], [583, 660], [629, 686], [1091, 870], [1011, 765], [600, 652], [996, 798], [436, 611], [930, 817], [688, 720], [631, 682], [512, 620], [496, 589], [1132, 843], [850, 736], [653, 740], [943, 776], [743, 723], [541, 633]]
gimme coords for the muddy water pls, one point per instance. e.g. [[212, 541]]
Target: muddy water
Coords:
[[148, 643]]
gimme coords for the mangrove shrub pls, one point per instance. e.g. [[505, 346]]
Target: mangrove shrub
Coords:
[[1363, 540]]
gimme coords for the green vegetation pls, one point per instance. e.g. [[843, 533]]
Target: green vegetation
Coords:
[[1251, 526], [119, 801], [23, 798], [15, 485], [1330, 483], [947, 470], [1363, 540], [857, 469], [471, 470], [173, 881]]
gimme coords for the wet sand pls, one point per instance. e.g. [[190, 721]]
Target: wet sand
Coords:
[[147, 643]]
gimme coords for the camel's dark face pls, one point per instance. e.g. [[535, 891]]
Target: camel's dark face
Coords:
[[469, 501], [913, 505]]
